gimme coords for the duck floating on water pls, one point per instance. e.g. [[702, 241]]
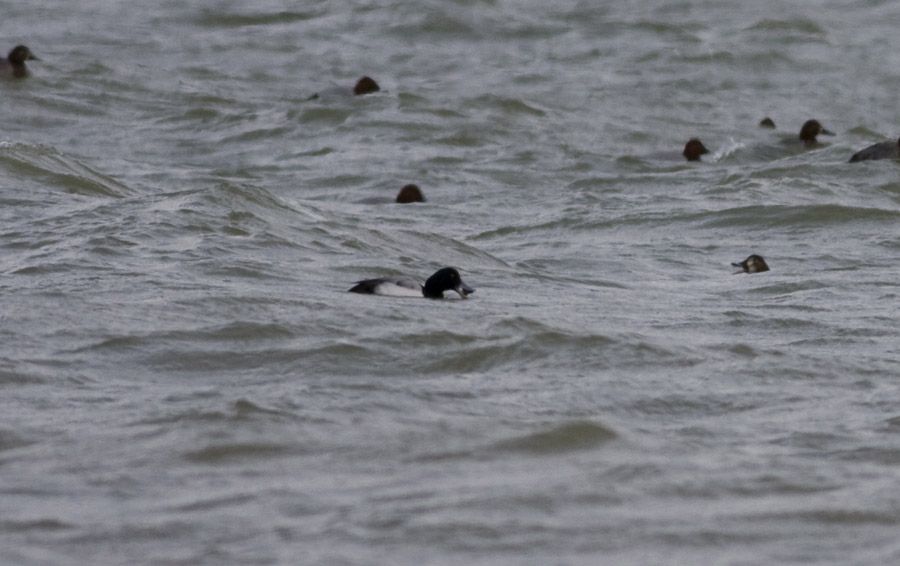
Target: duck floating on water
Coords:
[[14, 64], [693, 149], [365, 85], [883, 150], [410, 193], [753, 264], [811, 129], [444, 279]]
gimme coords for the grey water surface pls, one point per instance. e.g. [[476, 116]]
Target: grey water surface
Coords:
[[185, 380]]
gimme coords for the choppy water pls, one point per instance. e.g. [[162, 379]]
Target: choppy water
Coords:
[[184, 379]]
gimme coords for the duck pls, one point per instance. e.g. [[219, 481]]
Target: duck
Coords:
[[410, 193], [883, 150], [444, 279], [811, 129], [14, 64], [753, 264], [365, 85], [693, 149]]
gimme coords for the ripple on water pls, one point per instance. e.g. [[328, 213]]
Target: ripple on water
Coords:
[[578, 435], [817, 216], [220, 19], [240, 452], [59, 170]]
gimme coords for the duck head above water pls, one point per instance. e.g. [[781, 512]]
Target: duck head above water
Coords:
[[693, 149], [811, 129], [365, 85], [17, 58], [767, 123], [446, 279], [753, 264], [410, 193]]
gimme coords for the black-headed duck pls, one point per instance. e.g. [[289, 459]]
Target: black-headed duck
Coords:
[[14, 64], [445, 279], [693, 149], [410, 193], [365, 85]]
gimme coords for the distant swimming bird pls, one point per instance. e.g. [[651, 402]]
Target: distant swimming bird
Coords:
[[753, 264], [811, 129], [365, 85], [445, 279], [14, 64], [410, 193], [767, 123], [693, 149], [883, 150]]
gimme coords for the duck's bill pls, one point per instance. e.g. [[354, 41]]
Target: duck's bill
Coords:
[[740, 268], [825, 132], [736, 264], [464, 290]]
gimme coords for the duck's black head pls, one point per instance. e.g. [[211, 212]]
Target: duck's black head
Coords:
[[811, 129], [366, 85], [17, 58], [446, 279], [693, 149], [767, 123], [20, 54], [753, 264], [410, 193]]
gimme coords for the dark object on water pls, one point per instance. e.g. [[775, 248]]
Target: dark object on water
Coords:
[[444, 279], [767, 123], [14, 64], [365, 85], [811, 129], [753, 264], [883, 150], [410, 193], [693, 149]]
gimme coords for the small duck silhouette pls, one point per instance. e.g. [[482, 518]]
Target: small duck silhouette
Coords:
[[753, 264], [693, 149], [365, 85], [14, 64], [410, 193], [811, 129], [445, 279]]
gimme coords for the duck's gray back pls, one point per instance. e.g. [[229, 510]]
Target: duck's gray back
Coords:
[[883, 150]]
